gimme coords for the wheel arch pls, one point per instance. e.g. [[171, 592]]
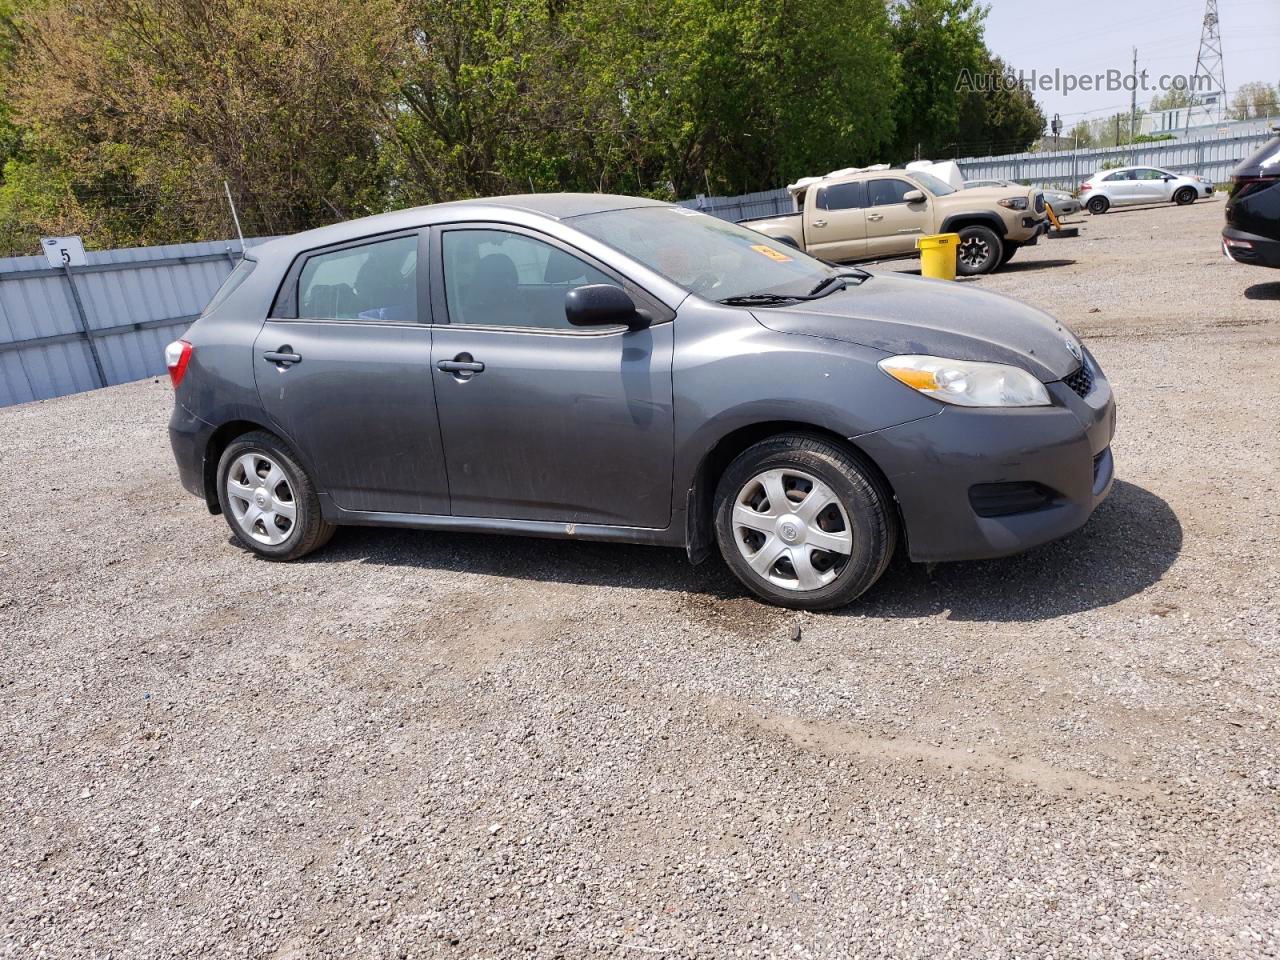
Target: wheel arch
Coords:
[[219, 440], [976, 218], [700, 509]]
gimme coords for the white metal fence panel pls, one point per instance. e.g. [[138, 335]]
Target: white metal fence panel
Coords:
[[131, 301]]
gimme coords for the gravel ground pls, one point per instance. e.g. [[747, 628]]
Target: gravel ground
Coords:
[[463, 746]]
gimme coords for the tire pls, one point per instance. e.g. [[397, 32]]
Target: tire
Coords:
[[860, 519], [1184, 196], [1098, 205], [979, 251], [272, 533], [1009, 250]]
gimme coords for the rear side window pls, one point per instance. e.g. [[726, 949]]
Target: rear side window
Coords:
[[239, 274], [373, 282], [883, 193], [843, 196], [1121, 175]]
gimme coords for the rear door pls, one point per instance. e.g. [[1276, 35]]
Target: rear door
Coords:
[[1120, 187], [343, 367], [541, 420], [836, 228], [892, 223]]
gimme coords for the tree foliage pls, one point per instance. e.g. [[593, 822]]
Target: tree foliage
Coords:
[[120, 119]]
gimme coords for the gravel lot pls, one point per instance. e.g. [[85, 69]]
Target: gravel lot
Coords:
[[464, 746]]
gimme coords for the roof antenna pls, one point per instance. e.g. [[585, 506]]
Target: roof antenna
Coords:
[[234, 216]]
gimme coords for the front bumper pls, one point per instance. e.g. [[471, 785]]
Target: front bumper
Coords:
[[1260, 252], [934, 464]]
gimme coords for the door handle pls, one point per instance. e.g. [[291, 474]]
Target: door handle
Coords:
[[283, 356], [876, 217], [819, 223], [463, 366]]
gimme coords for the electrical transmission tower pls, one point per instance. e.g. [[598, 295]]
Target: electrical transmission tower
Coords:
[[1209, 82]]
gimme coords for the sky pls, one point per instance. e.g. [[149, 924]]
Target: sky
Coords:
[[1093, 36]]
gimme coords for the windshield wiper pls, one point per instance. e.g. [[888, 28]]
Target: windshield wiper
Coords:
[[823, 284], [837, 281], [759, 300]]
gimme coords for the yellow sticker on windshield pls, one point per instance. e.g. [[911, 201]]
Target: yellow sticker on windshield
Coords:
[[771, 253]]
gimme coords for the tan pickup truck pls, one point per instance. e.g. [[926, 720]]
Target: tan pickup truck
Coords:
[[878, 214]]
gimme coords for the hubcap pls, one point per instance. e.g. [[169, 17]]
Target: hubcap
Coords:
[[261, 499], [792, 529], [974, 252]]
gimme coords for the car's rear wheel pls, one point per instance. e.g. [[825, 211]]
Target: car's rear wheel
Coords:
[[804, 522], [1099, 205], [979, 251], [268, 499], [1184, 196]]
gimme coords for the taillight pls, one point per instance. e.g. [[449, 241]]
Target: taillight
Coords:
[[176, 357], [1085, 186]]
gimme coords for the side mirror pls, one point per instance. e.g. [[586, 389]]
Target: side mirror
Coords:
[[913, 196], [1166, 179], [602, 305]]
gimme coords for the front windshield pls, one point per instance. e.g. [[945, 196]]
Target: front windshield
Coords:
[[939, 188], [712, 258]]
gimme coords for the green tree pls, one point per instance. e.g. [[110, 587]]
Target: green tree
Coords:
[[1005, 117], [940, 43], [136, 111], [1255, 101]]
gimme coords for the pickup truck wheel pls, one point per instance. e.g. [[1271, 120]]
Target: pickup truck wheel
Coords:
[[804, 522], [1099, 205], [980, 251]]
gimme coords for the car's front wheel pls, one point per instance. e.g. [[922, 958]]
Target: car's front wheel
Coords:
[[979, 251], [1184, 196], [804, 522], [268, 499]]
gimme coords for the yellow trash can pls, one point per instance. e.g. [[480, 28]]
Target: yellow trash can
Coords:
[[938, 255]]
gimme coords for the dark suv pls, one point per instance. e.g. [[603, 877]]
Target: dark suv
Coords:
[[608, 368], [1252, 233]]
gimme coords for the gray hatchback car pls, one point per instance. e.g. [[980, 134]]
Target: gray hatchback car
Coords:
[[611, 368]]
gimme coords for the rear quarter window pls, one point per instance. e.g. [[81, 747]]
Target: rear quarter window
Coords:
[[229, 286]]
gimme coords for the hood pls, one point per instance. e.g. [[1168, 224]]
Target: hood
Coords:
[[902, 314]]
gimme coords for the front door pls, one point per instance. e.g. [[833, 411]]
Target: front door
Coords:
[[343, 366], [893, 224], [1150, 186], [837, 225], [541, 420]]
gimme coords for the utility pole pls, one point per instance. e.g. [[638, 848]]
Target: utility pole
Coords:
[[1133, 102]]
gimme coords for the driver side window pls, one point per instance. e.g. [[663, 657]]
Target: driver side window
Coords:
[[883, 193], [502, 279]]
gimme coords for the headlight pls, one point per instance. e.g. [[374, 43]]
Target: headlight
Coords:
[[1014, 203], [968, 383]]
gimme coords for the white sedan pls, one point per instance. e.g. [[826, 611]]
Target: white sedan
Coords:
[[1130, 185]]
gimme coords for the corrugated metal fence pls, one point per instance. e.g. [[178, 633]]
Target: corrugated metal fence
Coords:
[[1213, 158], [124, 306]]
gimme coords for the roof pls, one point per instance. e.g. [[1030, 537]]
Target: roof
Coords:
[[554, 206]]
